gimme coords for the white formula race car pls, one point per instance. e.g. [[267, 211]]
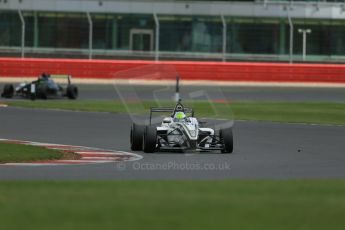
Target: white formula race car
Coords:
[[179, 132]]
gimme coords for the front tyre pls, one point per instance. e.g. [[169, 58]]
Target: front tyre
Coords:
[[227, 138], [8, 91], [150, 139], [136, 137]]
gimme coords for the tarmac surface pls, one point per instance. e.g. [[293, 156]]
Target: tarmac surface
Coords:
[[232, 93], [261, 149]]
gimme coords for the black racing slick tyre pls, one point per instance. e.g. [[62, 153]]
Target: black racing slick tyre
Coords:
[[8, 91], [33, 96], [136, 137], [72, 92], [150, 139], [226, 138], [42, 92]]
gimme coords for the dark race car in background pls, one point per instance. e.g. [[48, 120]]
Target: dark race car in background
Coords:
[[43, 88]]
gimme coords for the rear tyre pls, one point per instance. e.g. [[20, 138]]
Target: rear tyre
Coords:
[[72, 92], [150, 139], [136, 137], [227, 138], [8, 91], [32, 96], [42, 92]]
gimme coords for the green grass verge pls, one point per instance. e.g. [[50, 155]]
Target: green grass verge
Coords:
[[173, 205], [25, 153], [304, 112]]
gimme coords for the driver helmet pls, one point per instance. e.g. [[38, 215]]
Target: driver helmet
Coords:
[[44, 76], [180, 115]]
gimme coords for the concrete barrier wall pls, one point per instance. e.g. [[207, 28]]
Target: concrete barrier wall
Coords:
[[217, 71]]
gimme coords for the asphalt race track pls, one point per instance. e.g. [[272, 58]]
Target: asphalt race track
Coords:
[[262, 149], [232, 93]]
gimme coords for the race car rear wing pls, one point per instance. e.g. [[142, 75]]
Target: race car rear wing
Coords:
[[170, 110], [62, 76]]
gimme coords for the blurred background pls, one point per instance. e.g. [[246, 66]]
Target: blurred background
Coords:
[[175, 30]]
